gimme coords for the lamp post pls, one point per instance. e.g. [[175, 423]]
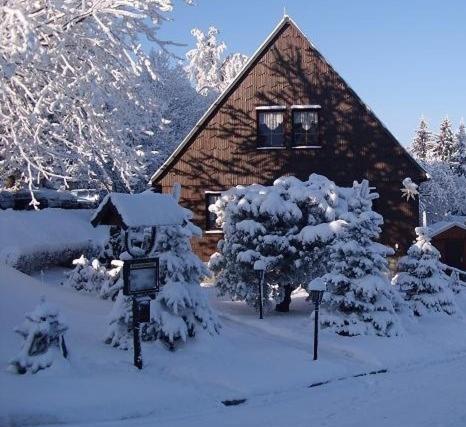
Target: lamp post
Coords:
[[317, 288], [261, 266]]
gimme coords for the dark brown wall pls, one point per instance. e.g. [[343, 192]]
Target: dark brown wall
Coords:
[[224, 153]]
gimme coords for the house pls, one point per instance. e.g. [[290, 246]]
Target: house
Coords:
[[449, 237], [288, 112]]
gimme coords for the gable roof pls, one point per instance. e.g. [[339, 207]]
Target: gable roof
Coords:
[[442, 226], [145, 209], [286, 20]]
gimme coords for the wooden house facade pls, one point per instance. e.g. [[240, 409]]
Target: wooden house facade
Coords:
[[289, 112], [449, 237]]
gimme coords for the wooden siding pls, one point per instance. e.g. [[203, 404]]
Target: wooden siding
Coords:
[[354, 144], [446, 238]]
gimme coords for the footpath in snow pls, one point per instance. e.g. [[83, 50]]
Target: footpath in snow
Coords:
[[268, 362]]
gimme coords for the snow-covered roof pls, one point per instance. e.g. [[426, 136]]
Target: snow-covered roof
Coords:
[[441, 226], [147, 209], [284, 21]]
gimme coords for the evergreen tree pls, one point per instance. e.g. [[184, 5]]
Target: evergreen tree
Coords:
[[284, 226], [455, 283], [460, 158], [444, 146], [43, 331], [422, 140], [120, 329], [421, 279], [359, 298], [181, 306]]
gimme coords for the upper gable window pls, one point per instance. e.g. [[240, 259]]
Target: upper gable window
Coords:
[[306, 127], [270, 127]]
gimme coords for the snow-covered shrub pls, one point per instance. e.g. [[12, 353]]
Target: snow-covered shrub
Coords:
[[286, 226], [43, 333], [359, 298], [91, 276], [35, 258], [421, 279]]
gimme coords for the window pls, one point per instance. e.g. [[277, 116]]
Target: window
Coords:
[[305, 128], [270, 128], [211, 217]]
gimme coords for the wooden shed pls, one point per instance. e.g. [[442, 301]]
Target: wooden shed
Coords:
[[449, 237]]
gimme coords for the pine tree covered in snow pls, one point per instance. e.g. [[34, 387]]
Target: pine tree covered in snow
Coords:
[[119, 332], [421, 279], [359, 299], [444, 146], [422, 140], [460, 157], [208, 69], [43, 332], [284, 226], [181, 306]]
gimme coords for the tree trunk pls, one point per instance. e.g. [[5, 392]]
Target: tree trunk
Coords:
[[284, 306]]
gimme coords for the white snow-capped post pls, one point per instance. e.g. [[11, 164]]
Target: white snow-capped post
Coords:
[[261, 266], [139, 215], [317, 287]]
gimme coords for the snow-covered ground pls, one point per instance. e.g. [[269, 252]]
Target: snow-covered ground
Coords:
[[268, 362]]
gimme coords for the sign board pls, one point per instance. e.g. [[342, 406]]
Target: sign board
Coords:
[[140, 276]]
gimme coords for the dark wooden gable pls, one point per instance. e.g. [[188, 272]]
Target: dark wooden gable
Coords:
[[221, 151]]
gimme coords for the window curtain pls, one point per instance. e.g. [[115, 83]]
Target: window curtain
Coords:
[[307, 119], [271, 120]]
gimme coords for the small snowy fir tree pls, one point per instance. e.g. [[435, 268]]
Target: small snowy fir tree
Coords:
[[444, 146], [421, 279], [359, 299], [181, 305], [119, 332], [422, 140], [455, 283], [43, 332]]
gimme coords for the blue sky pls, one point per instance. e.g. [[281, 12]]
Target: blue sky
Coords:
[[403, 57]]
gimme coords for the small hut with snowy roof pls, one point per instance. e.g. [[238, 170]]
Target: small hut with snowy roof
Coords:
[[449, 237]]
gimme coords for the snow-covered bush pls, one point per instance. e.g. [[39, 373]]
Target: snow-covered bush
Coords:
[[43, 332], [91, 276], [421, 279], [359, 298], [286, 226]]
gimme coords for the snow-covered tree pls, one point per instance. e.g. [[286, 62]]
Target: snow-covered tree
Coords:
[[75, 103], [455, 283], [120, 328], [359, 299], [421, 279], [181, 306], [43, 333], [444, 193], [208, 68], [284, 226], [444, 145], [460, 157], [91, 276], [422, 140]]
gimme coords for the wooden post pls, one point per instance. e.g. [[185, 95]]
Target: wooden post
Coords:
[[316, 328], [136, 335], [261, 296]]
